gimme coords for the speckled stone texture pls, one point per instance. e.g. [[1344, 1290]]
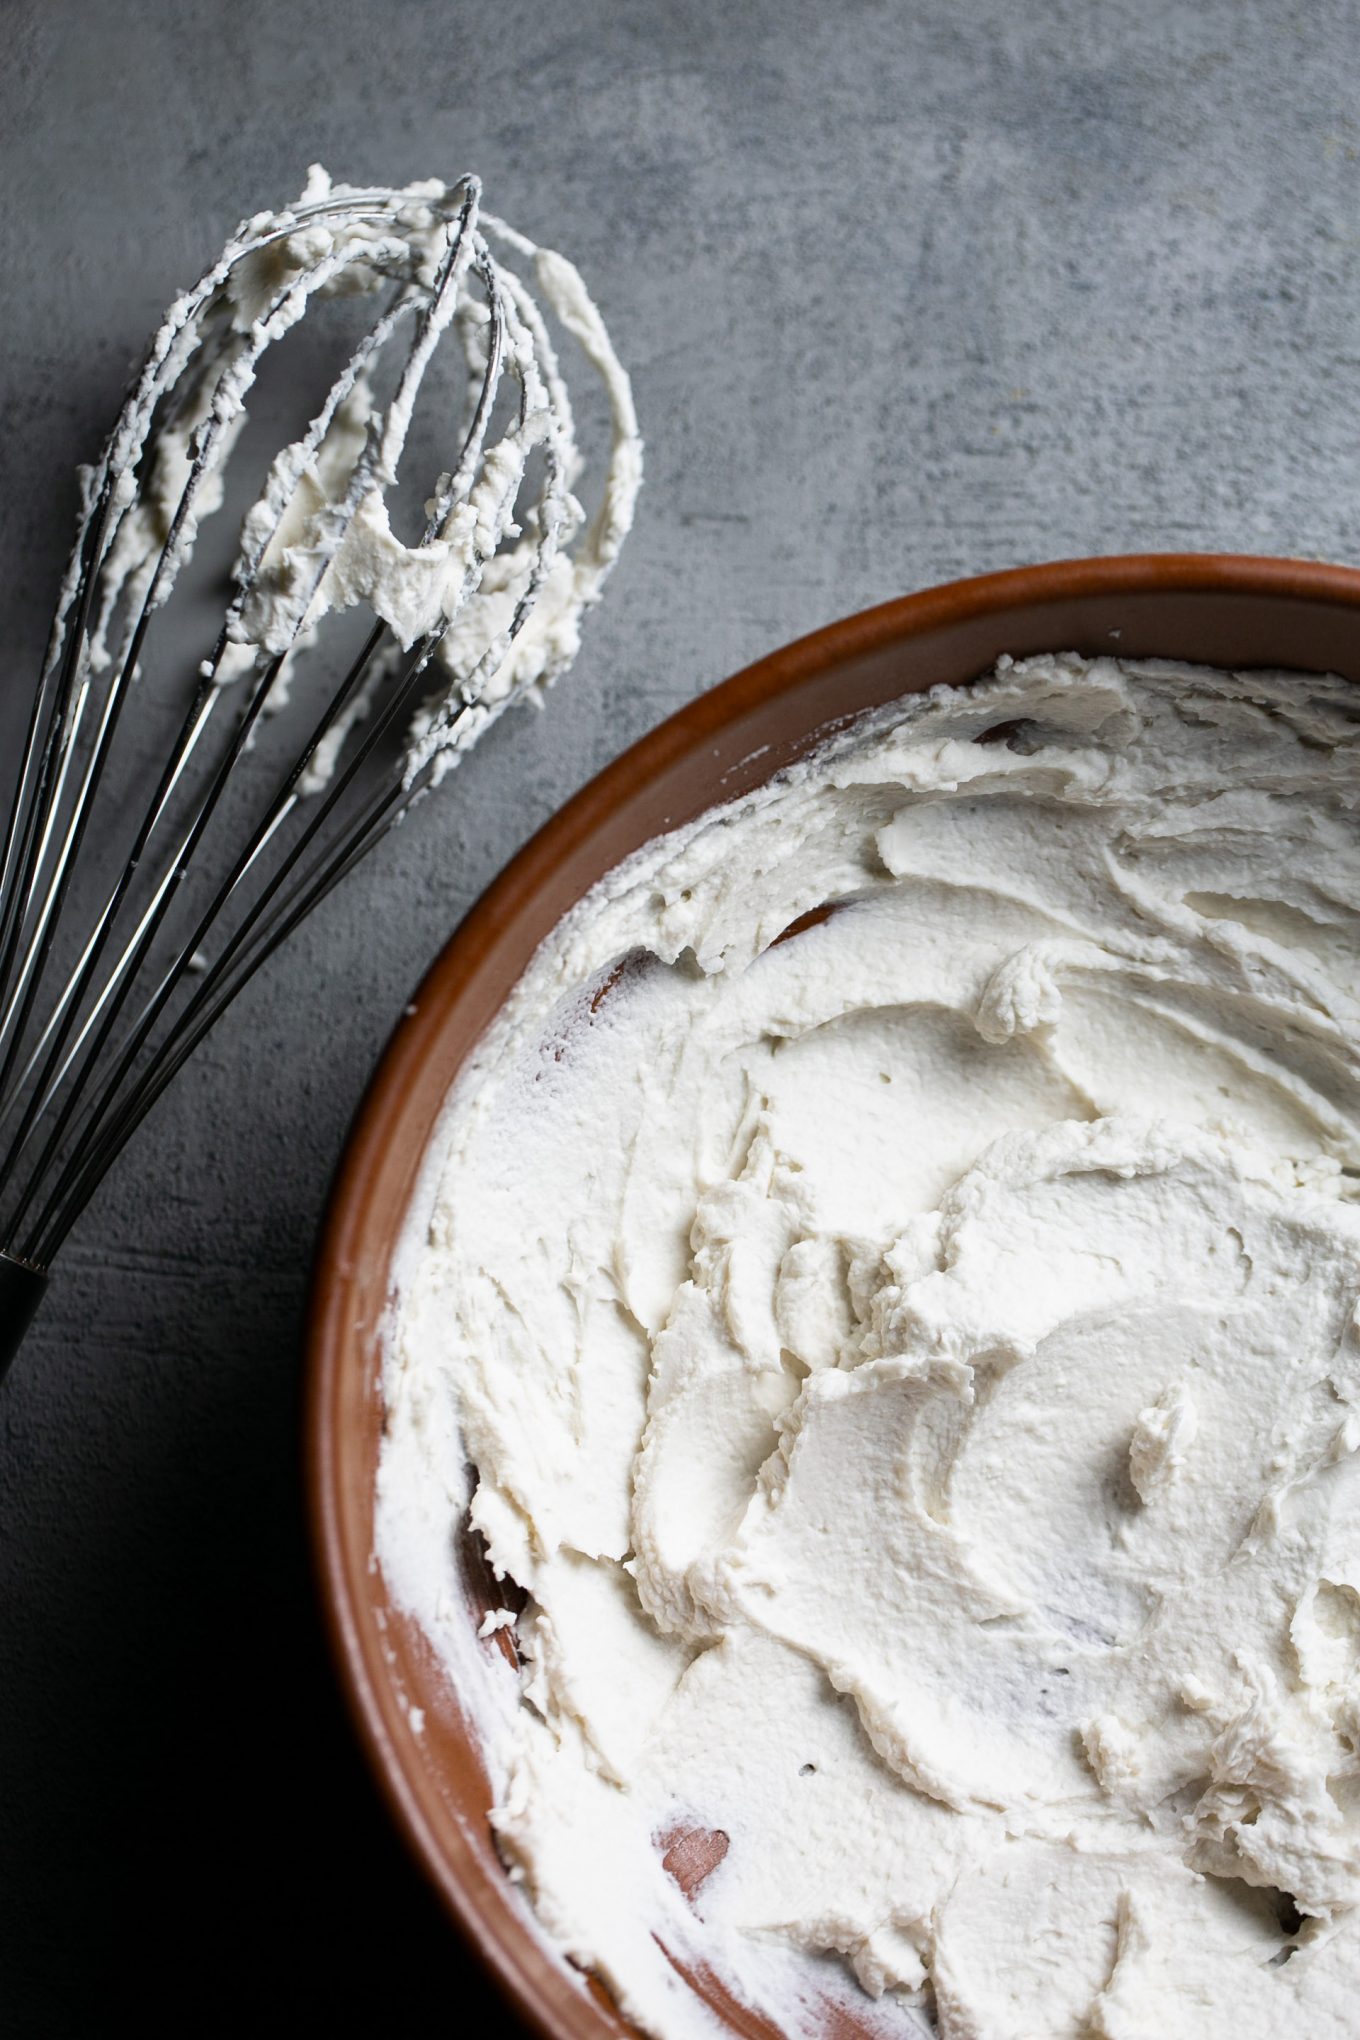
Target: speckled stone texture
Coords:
[[908, 292]]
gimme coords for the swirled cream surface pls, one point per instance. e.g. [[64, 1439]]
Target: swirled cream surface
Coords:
[[892, 1271]]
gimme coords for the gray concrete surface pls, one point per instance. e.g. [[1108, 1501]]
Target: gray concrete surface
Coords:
[[908, 291]]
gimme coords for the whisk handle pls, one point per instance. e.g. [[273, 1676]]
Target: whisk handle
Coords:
[[21, 1291]]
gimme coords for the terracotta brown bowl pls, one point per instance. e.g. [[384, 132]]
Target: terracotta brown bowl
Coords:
[[1223, 611]]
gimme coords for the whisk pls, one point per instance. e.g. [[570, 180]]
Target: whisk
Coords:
[[127, 928]]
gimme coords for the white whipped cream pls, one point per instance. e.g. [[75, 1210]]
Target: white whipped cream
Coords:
[[912, 1369], [509, 562]]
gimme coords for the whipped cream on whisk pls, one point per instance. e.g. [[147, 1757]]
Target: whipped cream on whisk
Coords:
[[907, 1354], [507, 565]]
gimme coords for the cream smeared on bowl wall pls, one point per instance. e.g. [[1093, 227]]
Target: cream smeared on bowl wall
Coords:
[[912, 1368]]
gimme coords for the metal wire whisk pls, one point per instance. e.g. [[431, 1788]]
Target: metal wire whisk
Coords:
[[126, 931]]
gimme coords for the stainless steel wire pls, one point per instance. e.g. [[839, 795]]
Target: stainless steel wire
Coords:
[[126, 930]]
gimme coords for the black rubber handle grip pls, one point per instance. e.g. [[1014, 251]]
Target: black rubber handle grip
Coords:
[[21, 1291]]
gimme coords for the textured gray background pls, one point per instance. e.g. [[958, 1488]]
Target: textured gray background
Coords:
[[908, 292]]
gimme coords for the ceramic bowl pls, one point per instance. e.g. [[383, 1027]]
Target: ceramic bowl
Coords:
[[1222, 611]]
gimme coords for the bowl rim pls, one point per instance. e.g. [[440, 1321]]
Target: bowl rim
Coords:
[[339, 1240]]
